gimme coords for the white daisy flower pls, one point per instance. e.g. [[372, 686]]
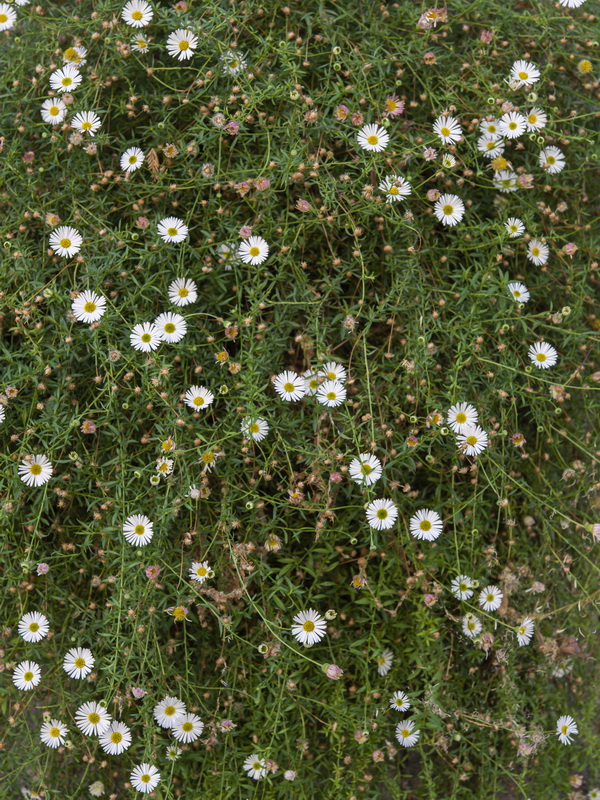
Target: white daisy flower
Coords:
[[525, 631], [571, 3], [309, 627], [290, 386], [132, 159], [461, 416], [65, 241], [169, 711], [537, 252], [395, 188], [447, 129], [171, 327], [173, 752], [66, 79], [255, 428], [399, 701], [232, 62], [137, 13], [365, 469], [92, 719], [140, 44], [512, 125], [471, 625], [144, 778], [2, 413], [333, 372], [53, 110], [227, 254], [145, 337], [514, 227], [182, 292], [311, 382], [506, 181], [35, 470], [373, 138], [381, 514], [426, 524], [199, 571], [172, 230], [253, 250], [7, 17], [75, 55], [490, 127], [331, 393], [255, 767], [198, 397], [490, 146], [523, 73], [490, 598], [566, 728], [593, 794], [187, 728], [462, 587], [519, 292], [115, 739], [449, 209], [543, 355], [27, 674], [472, 440], [78, 662], [406, 733], [53, 733], [88, 306], [535, 119], [138, 530], [86, 122], [181, 44], [384, 662], [33, 627], [552, 160]]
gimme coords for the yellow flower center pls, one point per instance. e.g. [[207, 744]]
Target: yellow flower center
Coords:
[[535, 251], [463, 587], [137, 15], [390, 105], [257, 765], [472, 440], [309, 626], [254, 251], [65, 243], [172, 231], [425, 525], [373, 139], [183, 292], [145, 778], [89, 307], [551, 160], [405, 733], [523, 76], [331, 395], [491, 129], [53, 110], [532, 119], [490, 598], [93, 718], [541, 356], [184, 44], [80, 663], [366, 469], [461, 417], [3, 18], [289, 387], [66, 81], [133, 159], [170, 328], [33, 627], [28, 676], [491, 145], [35, 469], [145, 337], [512, 125], [254, 428], [187, 727], [116, 737], [86, 125], [54, 732], [169, 711], [201, 572], [445, 131], [382, 513], [198, 401], [516, 293], [139, 530], [393, 190], [448, 209], [564, 729]]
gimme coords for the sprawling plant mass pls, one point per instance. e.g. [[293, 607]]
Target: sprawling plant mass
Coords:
[[298, 400]]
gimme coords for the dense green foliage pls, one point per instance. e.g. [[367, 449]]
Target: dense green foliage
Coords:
[[417, 312]]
